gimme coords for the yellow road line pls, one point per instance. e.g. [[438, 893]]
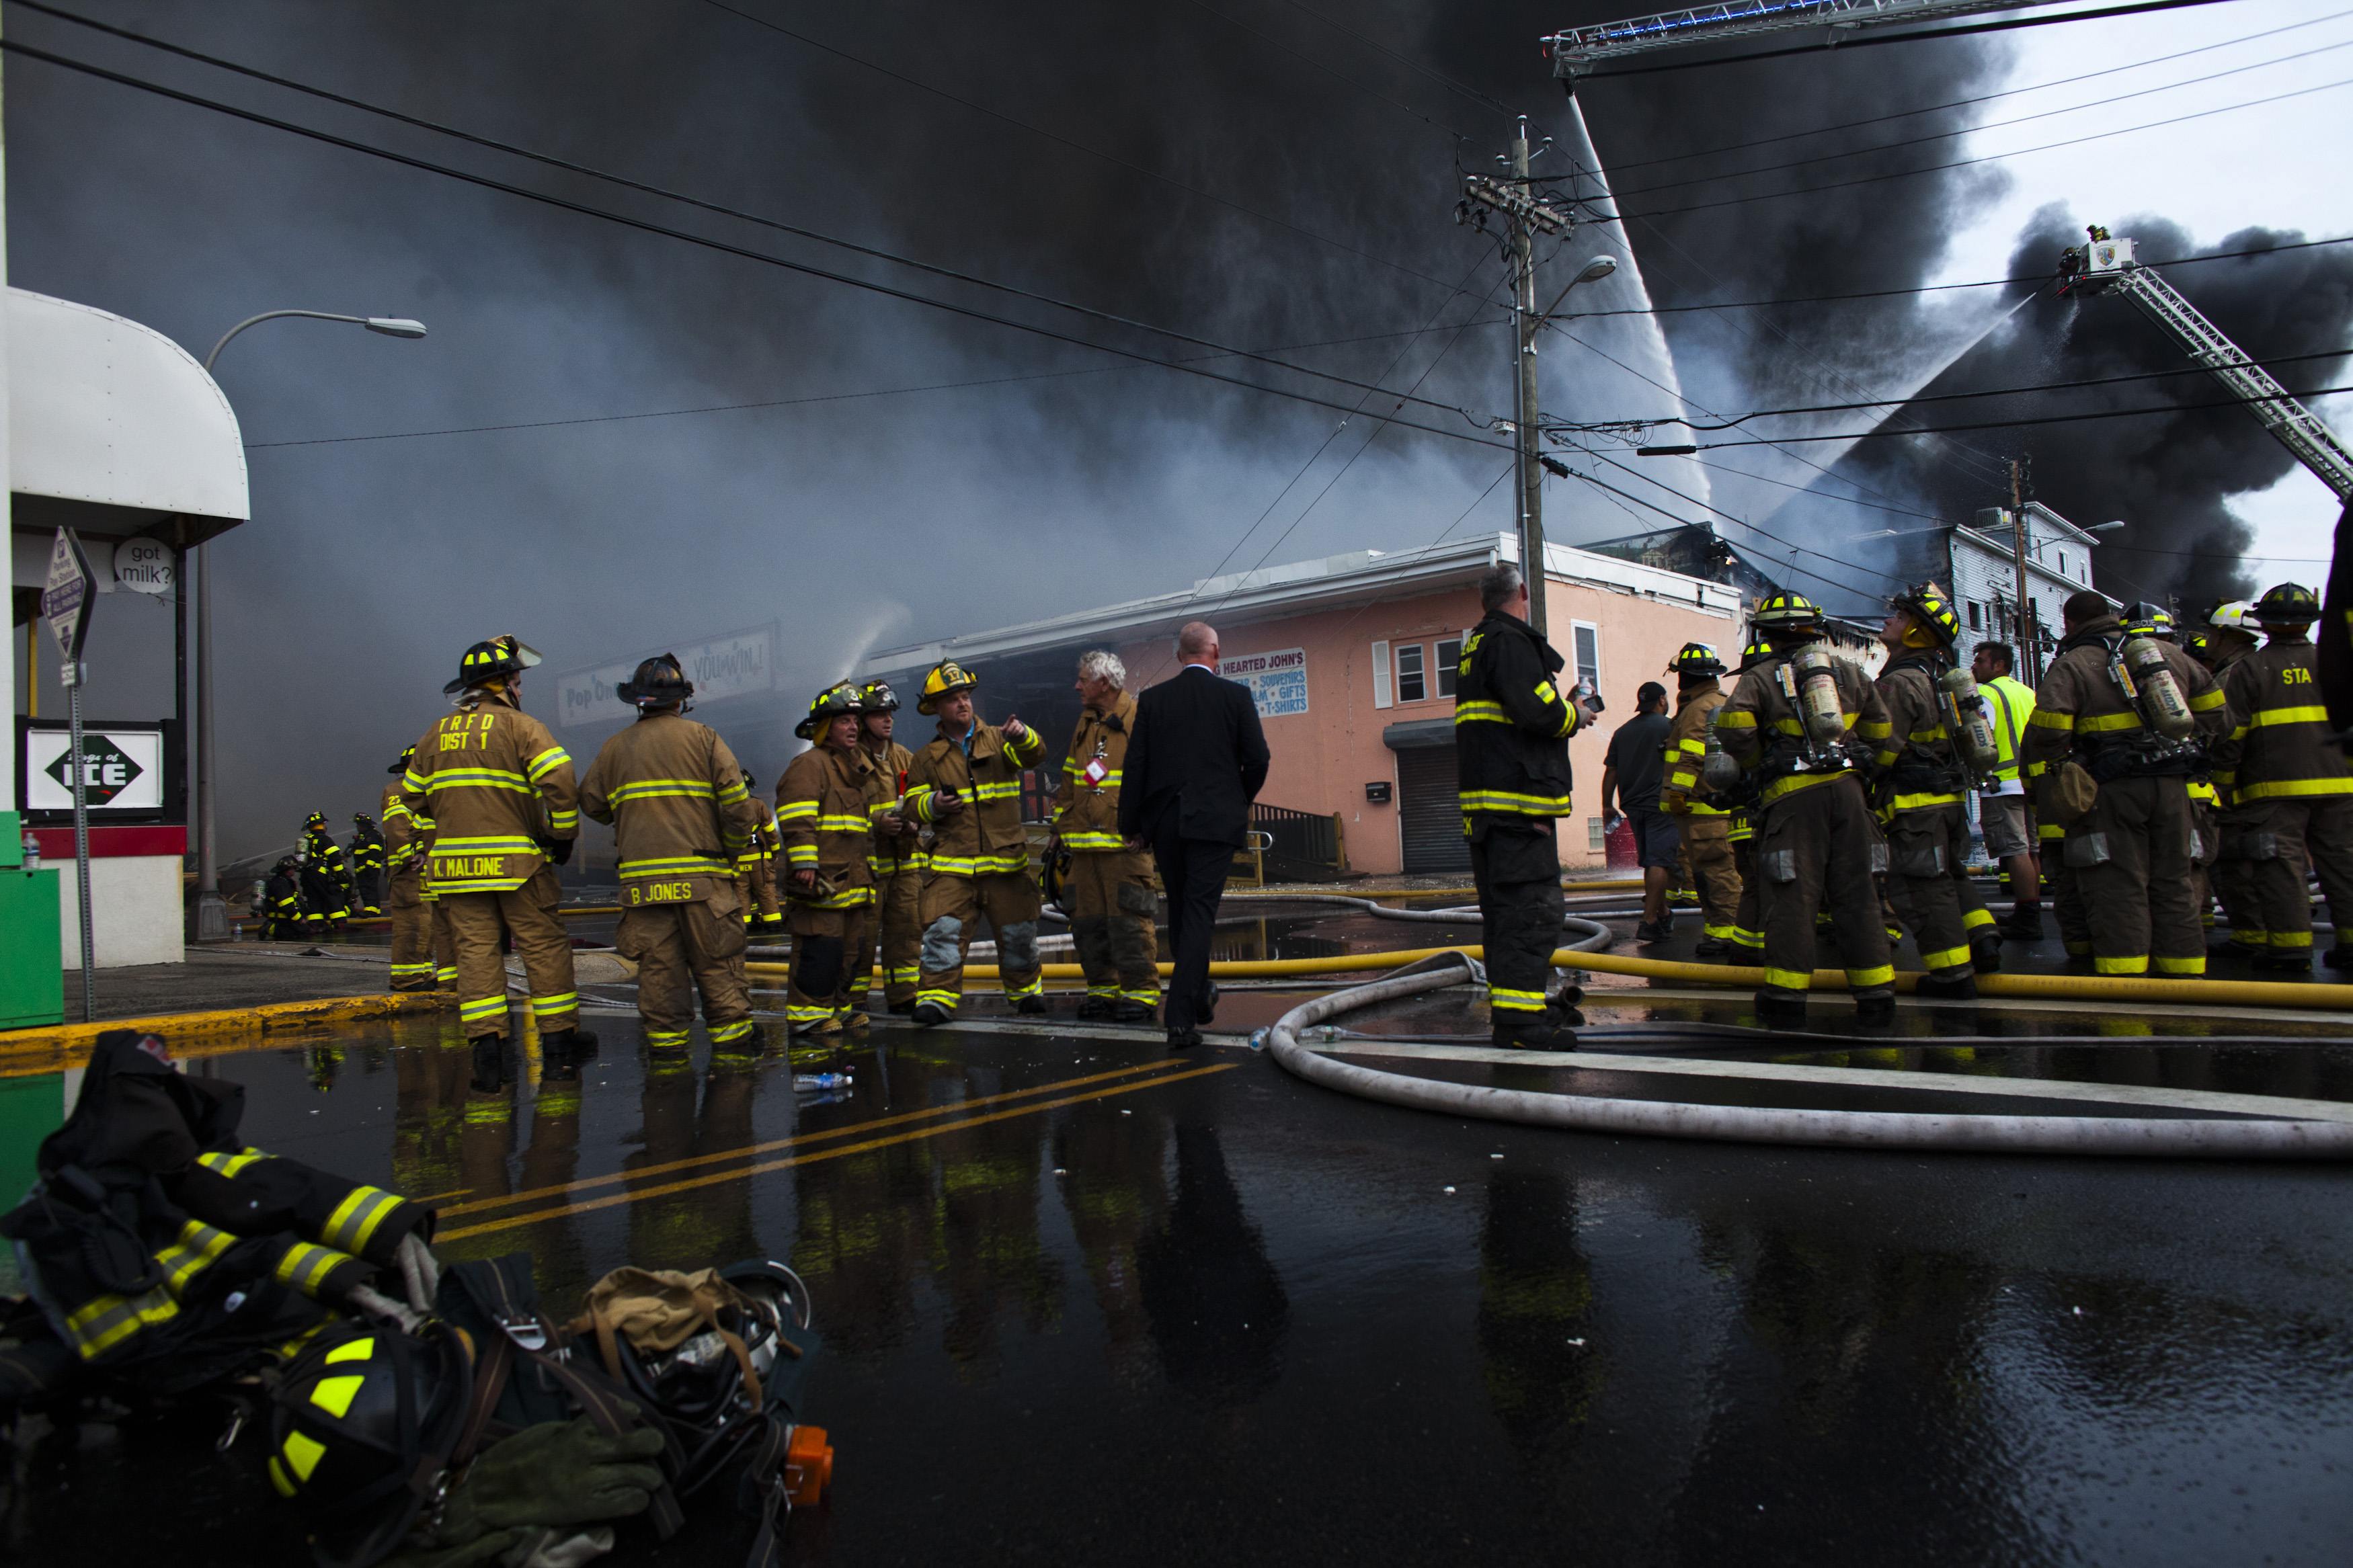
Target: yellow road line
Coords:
[[750, 1151], [714, 1178]]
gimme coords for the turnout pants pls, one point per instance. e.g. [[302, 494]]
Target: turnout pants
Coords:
[[445, 947], [369, 893], [325, 907], [476, 921], [947, 909], [2307, 831], [1816, 845], [756, 892], [1516, 865], [2130, 859], [1110, 902], [1927, 863], [829, 976], [1747, 926], [412, 937], [680, 950], [2066, 898], [1193, 872], [1707, 843], [2234, 879], [899, 935]]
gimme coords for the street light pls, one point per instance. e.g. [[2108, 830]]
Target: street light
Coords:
[[212, 910], [1593, 271]]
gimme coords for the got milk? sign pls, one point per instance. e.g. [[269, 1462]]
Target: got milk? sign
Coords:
[[1277, 680]]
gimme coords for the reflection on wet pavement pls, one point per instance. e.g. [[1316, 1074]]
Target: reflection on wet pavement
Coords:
[[1084, 1300]]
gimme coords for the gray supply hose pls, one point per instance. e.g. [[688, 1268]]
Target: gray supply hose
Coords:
[[2192, 1138]]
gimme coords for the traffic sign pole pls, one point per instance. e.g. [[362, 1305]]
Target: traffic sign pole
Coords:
[[72, 675], [66, 602]]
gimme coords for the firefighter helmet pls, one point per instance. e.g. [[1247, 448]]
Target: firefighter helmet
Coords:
[[488, 661], [2147, 620], [364, 1422], [1054, 876], [1758, 651], [947, 677], [1787, 611], [2287, 603], [2233, 616], [1931, 610], [1696, 658], [316, 819], [400, 764], [2198, 646], [830, 704], [876, 696], [288, 863], [658, 682], [363, 816]]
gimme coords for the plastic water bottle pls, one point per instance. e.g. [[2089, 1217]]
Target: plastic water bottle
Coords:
[[814, 1082], [1257, 1039], [32, 850]]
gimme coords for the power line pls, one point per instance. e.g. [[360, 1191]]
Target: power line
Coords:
[[1869, 39], [1990, 157], [1986, 125], [1070, 142], [640, 187], [722, 246], [1979, 98], [2037, 278], [2017, 424]]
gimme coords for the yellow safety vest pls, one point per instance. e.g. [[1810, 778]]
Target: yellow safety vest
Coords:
[[2013, 702]]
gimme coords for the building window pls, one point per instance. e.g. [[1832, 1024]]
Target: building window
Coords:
[[1596, 841], [1977, 617], [1411, 687], [1585, 638], [1380, 675], [1450, 653], [2062, 564]]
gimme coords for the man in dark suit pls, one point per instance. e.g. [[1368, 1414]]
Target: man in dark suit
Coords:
[[1196, 762]]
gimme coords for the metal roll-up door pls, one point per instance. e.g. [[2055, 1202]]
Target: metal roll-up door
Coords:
[[1430, 811]]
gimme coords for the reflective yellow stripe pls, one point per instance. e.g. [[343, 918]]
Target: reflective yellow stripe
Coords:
[[1946, 957], [547, 762], [649, 789], [1507, 802], [356, 1217], [230, 1164], [1727, 719], [306, 1267], [2180, 965], [1864, 979], [2105, 723], [1789, 979], [2050, 719], [2269, 716], [1092, 841], [2274, 788], [1479, 711], [565, 1002], [476, 778], [504, 844], [792, 810], [2202, 702], [99, 1325], [2136, 965], [674, 865], [856, 824], [1921, 802], [188, 1257]]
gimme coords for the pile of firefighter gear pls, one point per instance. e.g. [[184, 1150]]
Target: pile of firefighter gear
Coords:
[[416, 1414]]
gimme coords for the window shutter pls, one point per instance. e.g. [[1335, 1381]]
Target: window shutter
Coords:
[[1380, 675]]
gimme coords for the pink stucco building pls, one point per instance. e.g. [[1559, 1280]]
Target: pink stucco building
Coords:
[[1352, 661]]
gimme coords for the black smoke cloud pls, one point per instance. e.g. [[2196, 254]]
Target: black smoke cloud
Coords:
[[368, 565], [2170, 475]]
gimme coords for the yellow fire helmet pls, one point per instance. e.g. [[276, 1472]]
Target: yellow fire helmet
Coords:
[[946, 679], [1931, 609], [1696, 658], [830, 704], [1785, 612]]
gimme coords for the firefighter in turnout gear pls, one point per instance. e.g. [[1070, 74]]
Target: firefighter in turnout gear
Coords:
[[2147, 620], [2290, 788], [504, 810], [326, 878], [412, 922], [2118, 719], [824, 820], [681, 816], [755, 868], [897, 858], [367, 866], [964, 790], [2231, 635], [1923, 774], [1107, 892], [1705, 822], [280, 903], [1797, 721], [1739, 801], [1512, 725]]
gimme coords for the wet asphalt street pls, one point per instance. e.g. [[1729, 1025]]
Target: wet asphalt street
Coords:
[[1084, 1302]]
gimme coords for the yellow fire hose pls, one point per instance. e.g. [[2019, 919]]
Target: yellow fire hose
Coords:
[[2120, 989]]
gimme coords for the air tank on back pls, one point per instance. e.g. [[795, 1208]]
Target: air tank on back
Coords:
[[1973, 729], [2157, 691], [1817, 695]]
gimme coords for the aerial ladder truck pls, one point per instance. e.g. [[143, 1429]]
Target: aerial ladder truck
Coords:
[[2105, 266]]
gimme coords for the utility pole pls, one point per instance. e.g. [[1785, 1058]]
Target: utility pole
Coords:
[[1525, 214], [2026, 649]]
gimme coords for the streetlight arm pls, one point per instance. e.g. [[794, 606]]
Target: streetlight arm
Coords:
[[271, 316]]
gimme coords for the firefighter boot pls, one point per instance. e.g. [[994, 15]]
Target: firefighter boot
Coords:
[[1514, 1029], [1874, 1008], [1778, 1007], [1958, 987]]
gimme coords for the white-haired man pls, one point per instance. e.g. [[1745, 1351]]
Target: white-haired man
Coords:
[[1107, 891]]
